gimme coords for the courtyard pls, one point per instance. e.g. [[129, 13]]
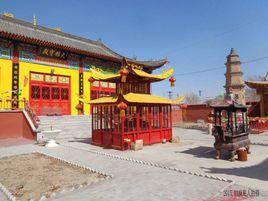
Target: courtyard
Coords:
[[171, 171]]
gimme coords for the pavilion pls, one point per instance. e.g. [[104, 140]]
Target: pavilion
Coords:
[[262, 90], [133, 113]]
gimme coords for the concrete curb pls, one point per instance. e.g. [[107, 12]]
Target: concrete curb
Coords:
[[259, 143], [105, 175], [9, 195], [132, 160]]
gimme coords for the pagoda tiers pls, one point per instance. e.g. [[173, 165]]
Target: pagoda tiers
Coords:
[[133, 113], [234, 84], [262, 90]]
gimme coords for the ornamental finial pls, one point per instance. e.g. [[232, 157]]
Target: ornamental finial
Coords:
[[34, 21]]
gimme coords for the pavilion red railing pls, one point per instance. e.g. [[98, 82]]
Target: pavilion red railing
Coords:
[[258, 124]]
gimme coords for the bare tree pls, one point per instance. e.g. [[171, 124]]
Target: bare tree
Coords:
[[214, 100], [255, 78], [192, 98]]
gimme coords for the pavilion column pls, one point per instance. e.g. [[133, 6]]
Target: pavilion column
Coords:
[[161, 116], [262, 106], [138, 117], [170, 116]]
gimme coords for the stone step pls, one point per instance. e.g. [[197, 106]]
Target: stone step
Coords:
[[71, 126], [64, 117], [65, 122]]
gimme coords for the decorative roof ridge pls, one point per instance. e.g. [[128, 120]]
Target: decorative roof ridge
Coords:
[[161, 61], [47, 29]]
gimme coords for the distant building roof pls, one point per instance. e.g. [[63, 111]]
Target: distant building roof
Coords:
[[20, 30], [257, 84]]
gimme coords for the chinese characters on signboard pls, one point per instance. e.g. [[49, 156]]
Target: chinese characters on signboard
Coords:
[[52, 53]]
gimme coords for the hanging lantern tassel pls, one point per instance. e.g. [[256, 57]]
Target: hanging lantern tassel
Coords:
[[91, 80], [124, 72], [122, 107], [172, 81]]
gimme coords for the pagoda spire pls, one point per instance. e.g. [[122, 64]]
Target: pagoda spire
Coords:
[[234, 84]]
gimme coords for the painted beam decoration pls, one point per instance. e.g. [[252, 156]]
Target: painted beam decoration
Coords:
[[52, 53]]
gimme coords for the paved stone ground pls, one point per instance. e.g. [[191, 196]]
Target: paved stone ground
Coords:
[[259, 138], [133, 181], [14, 142]]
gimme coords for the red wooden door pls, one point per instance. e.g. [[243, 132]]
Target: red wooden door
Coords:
[[50, 98]]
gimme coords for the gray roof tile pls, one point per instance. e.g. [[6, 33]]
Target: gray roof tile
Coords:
[[26, 29]]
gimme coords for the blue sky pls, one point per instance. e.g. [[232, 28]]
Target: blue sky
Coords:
[[194, 35]]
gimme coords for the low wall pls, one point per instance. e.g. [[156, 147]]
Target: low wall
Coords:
[[13, 124], [196, 112], [192, 114], [176, 115]]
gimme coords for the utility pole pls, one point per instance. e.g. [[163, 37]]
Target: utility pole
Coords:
[[170, 93]]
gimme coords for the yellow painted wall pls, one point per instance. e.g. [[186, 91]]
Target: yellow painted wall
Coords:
[[5, 78], [26, 68], [24, 71], [86, 85]]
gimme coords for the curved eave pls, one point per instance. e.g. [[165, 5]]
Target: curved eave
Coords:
[[142, 75], [134, 98], [104, 100], [257, 84], [152, 77], [146, 99], [152, 64], [146, 64]]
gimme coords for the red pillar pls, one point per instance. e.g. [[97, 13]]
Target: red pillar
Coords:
[[122, 131], [150, 122], [161, 122], [137, 121]]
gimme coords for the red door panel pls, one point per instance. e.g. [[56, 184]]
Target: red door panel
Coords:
[[48, 98]]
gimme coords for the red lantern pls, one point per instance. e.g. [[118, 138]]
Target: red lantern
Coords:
[[122, 107], [79, 106], [124, 72], [172, 81], [91, 80]]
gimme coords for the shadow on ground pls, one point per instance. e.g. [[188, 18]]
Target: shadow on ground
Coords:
[[86, 140], [204, 152], [259, 171]]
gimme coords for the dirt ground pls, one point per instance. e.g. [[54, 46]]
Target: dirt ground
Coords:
[[31, 176]]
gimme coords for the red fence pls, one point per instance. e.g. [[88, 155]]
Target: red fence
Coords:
[[258, 125], [192, 113]]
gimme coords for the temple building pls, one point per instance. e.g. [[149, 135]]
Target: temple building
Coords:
[[50, 68], [235, 85], [262, 90], [133, 113]]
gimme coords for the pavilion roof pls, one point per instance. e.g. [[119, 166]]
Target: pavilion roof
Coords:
[[227, 104], [136, 98], [257, 84], [12, 28], [144, 76]]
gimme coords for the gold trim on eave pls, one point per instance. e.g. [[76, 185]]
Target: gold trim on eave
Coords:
[[154, 77], [137, 98], [148, 77]]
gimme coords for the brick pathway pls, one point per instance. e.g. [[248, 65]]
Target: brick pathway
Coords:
[[145, 182]]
